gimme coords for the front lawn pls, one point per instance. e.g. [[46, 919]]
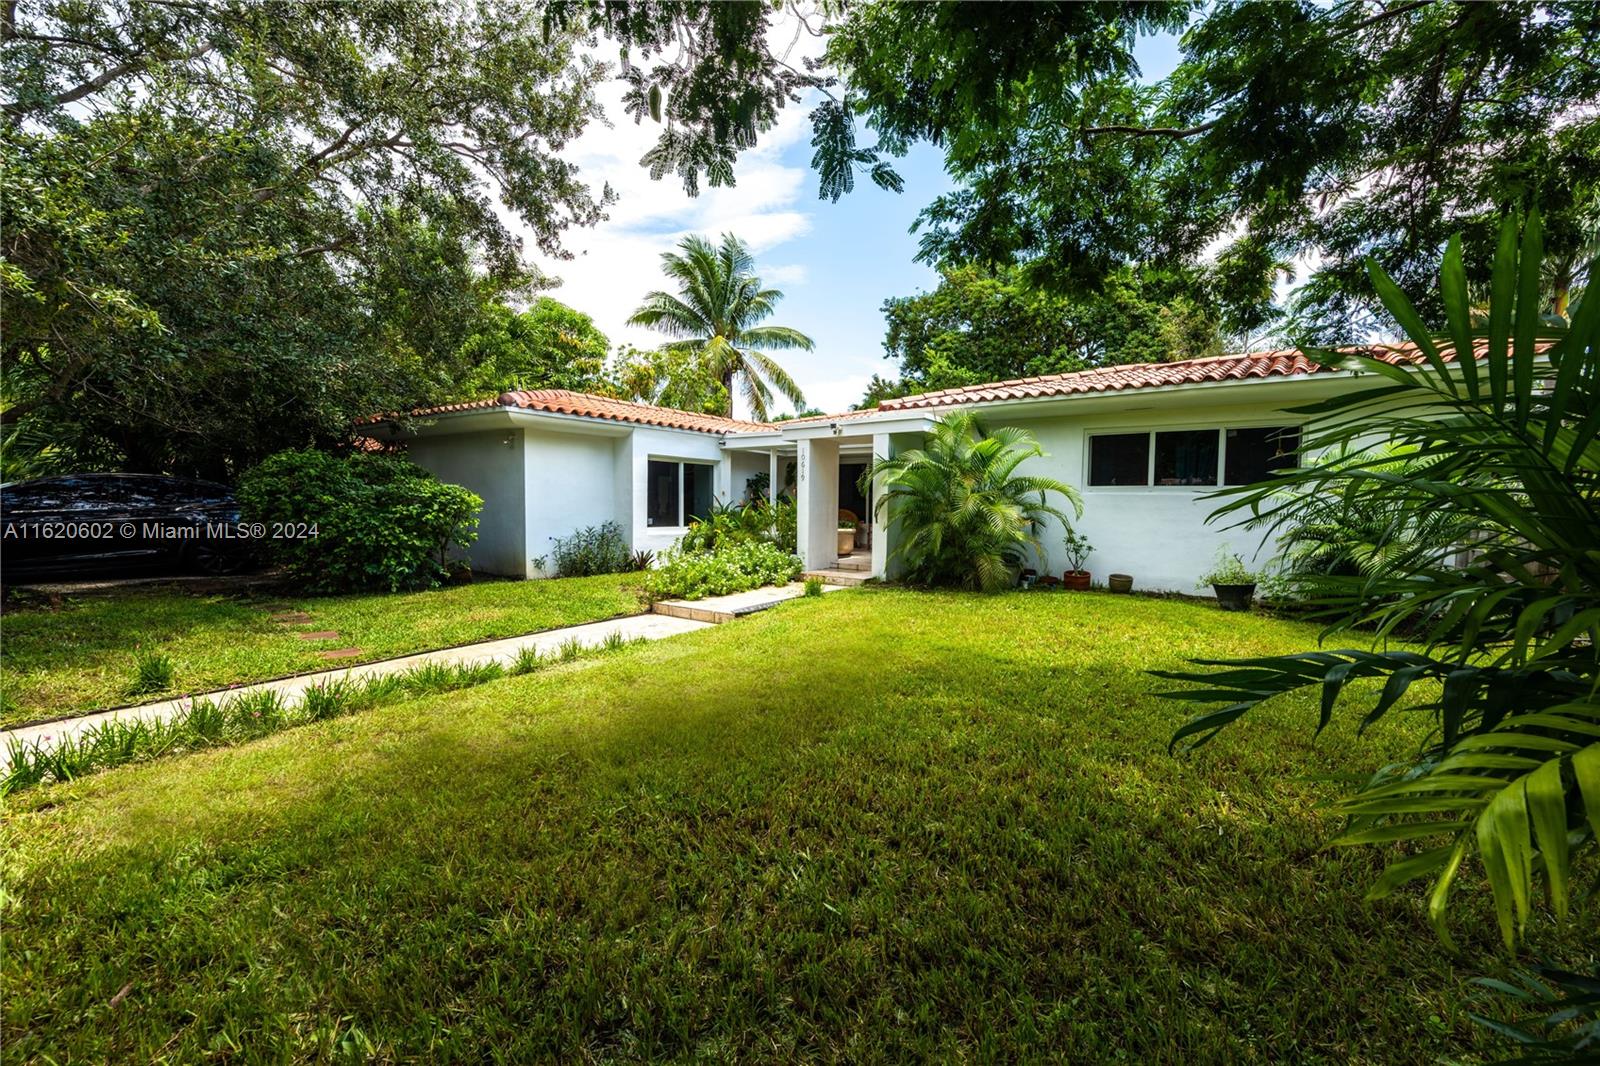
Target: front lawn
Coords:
[[878, 826], [81, 657]]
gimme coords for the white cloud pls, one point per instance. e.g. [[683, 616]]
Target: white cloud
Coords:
[[786, 274], [837, 394], [619, 260]]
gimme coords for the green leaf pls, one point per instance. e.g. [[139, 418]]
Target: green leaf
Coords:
[[1528, 313], [1507, 850], [1547, 806], [1586, 769], [1398, 873], [1396, 303], [1458, 313], [1502, 295]]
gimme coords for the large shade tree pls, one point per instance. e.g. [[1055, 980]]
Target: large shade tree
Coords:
[[232, 227], [1298, 131], [716, 317], [548, 346], [984, 324]]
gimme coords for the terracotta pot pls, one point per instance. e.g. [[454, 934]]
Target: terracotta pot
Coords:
[[847, 541], [1234, 597], [1120, 582], [1076, 579]]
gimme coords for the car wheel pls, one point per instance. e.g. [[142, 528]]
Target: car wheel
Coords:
[[214, 561]]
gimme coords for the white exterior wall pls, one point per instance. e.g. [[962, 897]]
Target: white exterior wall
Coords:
[[489, 463], [685, 446], [743, 466], [571, 480], [1156, 533]]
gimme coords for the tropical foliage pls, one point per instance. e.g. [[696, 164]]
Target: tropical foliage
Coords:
[[733, 523], [1508, 447], [548, 346], [363, 522], [1349, 128], [732, 566], [714, 318], [971, 328], [601, 549], [1362, 526], [965, 516], [667, 378]]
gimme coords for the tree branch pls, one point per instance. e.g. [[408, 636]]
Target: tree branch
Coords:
[[101, 80], [1383, 16], [1175, 132]]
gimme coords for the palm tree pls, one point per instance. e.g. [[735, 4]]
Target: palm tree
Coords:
[[714, 319], [1505, 647], [966, 517]]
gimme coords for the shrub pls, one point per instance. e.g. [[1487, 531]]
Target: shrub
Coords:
[[152, 672], [732, 567], [748, 523], [360, 523], [598, 549], [1228, 569], [968, 518], [813, 586]]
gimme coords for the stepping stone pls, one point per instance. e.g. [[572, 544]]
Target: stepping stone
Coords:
[[286, 618], [320, 634], [339, 653]]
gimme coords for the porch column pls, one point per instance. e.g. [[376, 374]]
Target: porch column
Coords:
[[774, 490], [886, 534], [817, 492]]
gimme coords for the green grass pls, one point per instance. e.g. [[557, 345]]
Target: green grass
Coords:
[[86, 654], [877, 826]]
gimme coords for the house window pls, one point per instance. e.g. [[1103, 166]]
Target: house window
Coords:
[[677, 493], [1119, 459], [696, 491], [1253, 454], [1186, 457]]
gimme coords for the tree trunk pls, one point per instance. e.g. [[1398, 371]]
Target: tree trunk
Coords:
[[727, 383]]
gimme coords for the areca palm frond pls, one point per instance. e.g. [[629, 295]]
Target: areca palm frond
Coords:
[[713, 318], [1505, 448], [965, 516]]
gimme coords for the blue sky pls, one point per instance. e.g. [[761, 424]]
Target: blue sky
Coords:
[[835, 262]]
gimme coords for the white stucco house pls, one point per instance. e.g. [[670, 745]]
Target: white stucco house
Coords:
[[1141, 443]]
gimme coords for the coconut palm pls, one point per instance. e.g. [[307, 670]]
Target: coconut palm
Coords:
[[965, 516], [714, 318]]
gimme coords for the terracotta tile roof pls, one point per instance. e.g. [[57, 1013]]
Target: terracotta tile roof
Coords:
[[1284, 363], [587, 405]]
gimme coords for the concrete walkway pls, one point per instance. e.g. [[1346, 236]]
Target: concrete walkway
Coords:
[[669, 619], [726, 608], [504, 652]]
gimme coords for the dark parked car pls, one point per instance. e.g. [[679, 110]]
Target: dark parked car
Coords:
[[111, 525]]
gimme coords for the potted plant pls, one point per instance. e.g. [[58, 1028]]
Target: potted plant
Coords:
[[847, 536], [1232, 581], [1078, 549], [1120, 582]]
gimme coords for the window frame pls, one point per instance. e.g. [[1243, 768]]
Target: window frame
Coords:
[[1299, 429], [1221, 428], [677, 489]]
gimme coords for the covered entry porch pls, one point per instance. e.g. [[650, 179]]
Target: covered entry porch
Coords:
[[822, 464]]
